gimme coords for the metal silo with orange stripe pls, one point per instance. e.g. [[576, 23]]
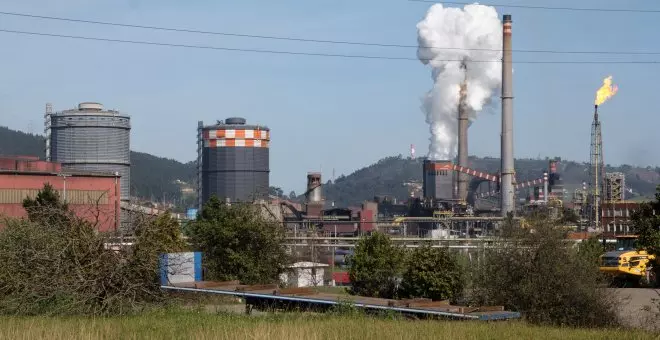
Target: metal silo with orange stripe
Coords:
[[233, 161]]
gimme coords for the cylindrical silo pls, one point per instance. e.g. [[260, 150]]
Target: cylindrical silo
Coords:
[[92, 139], [234, 161]]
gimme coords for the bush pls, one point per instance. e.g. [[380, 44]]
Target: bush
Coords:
[[375, 267], [238, 243], [432, 273], [56, 263], [543, 277]]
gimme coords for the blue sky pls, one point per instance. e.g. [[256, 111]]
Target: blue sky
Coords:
[[325, 113]]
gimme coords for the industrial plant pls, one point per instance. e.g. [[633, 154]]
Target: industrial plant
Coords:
[[233, 165]]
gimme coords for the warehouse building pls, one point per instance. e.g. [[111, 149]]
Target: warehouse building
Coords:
[[92, 196]]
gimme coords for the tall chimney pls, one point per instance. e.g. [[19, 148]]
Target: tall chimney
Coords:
[[507, 167], [463, 139]]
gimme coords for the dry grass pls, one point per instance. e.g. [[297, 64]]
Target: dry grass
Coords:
[[191, 325]]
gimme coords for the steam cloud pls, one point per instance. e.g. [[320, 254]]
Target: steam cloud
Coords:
[[470, 34]]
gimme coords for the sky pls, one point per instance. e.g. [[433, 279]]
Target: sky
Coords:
[[326, 113]]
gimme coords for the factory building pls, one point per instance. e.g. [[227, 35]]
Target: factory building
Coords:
[[90, 139], [438, 180], [92, 196], [615, 217], [233, 161]]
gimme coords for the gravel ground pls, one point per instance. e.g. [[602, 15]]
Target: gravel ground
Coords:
[[638, 308]]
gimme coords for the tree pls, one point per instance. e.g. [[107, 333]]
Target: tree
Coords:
[[432, 273], [646, 222], [159, 235], [292, 195], [375, 267], [276, 191], [238, 243], [47, 207], [591, 249]]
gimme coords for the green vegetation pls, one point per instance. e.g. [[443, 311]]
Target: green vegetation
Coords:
[[195, 325], [55, 263], [375, 267], [545, 278], [433, 273], [238, 243], [647, 225]]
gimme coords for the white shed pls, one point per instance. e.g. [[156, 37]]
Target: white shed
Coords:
[[304, 274]]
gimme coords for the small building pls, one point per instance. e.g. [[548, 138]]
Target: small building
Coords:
[[304, 274], [92, 196]]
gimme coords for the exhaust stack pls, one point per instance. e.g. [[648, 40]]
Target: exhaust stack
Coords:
[[463, 139], [507, 167]]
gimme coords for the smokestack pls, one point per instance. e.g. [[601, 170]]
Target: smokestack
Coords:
[[507, 203], [314, 194], [463, 138]]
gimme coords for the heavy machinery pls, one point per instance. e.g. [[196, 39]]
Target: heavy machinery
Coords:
[[627, 265]]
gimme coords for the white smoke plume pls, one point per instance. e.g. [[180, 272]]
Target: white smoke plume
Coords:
[[474, 35]]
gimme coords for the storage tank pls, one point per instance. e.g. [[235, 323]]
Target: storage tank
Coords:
[[92, 139], [233, 161]]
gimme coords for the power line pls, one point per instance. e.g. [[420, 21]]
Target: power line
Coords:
[[355, 56], [582, 9], [337, 42]]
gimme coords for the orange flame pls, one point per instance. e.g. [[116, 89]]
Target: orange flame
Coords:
[[606, 91]]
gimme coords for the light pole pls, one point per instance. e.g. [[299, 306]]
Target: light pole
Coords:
[[64, 176]]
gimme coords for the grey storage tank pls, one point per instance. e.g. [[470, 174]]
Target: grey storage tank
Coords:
[[91, 139], [233, 161]]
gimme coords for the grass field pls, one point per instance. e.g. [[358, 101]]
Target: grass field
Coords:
[[192, 325]]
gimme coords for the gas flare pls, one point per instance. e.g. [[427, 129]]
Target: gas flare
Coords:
[[606, 91]]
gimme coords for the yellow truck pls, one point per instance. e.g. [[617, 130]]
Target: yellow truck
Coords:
[[627, 265]]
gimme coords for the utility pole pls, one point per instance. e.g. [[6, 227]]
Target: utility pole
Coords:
[[64, 176]]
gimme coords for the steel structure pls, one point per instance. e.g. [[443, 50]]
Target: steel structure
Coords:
[[233, 161], [615, 187], [507, 168], [91, 139], [596, 171]]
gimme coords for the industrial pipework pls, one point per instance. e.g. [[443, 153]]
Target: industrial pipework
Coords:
[[506, 201]]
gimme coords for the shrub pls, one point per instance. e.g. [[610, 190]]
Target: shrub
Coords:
[[542, 276], [432, 273], [375, 267], [56, 263], [238, 243]]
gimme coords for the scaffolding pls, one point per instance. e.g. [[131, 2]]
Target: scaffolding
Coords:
[[614, 187]]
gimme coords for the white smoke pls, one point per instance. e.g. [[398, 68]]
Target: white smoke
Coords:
[[470, 34]]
